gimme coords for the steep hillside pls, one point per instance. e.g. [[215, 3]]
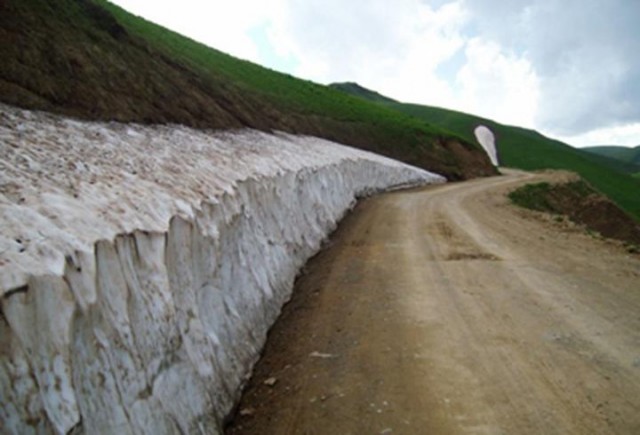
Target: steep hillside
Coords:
[[91, 59], [527, 149]]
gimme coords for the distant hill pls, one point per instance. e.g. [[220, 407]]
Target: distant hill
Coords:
[[93, 60], [359, 91], [529, 150], [623, 154]]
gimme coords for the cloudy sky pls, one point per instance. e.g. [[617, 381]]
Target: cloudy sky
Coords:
[[568, 68]]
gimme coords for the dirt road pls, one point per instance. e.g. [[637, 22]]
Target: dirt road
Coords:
[[448, 311]]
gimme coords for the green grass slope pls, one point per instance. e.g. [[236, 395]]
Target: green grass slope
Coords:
[[92, 59], [529, 150], [359, 91]]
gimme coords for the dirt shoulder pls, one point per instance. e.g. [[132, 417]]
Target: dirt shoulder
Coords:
[[447, 310]]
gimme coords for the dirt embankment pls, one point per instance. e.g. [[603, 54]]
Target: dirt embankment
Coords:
[[449, 310], [565, 193]]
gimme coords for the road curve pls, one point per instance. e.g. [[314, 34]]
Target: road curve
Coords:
[[446, 310]]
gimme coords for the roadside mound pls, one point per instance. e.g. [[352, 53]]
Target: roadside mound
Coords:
[[567, 194]]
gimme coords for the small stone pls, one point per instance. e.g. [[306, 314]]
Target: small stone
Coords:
[[317, 354], [247, 412], [270, 382]]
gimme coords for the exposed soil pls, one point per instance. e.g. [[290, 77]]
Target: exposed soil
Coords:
[[567, 194], [448, 310]]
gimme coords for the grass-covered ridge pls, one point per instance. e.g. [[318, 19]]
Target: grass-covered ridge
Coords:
[[359, 91], [92, 59], [620, 153]]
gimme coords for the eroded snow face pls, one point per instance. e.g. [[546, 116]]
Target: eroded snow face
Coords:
[[487, 140], [142, 266]]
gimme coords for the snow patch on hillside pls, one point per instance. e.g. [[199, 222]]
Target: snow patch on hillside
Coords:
[[487, 140], [141, 267]]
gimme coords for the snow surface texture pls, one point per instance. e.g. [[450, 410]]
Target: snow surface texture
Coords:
[[488, 141], [140, 267]]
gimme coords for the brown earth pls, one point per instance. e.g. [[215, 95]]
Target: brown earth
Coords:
[[586, 206], [447, 310]]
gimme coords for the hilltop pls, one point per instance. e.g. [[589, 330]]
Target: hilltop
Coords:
[[93, 60], [627, 158], [360, 91], [625, 154]]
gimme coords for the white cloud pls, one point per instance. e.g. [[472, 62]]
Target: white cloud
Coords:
[[399, 50], [496, 85], [627, 135], [395, 50], [584, 53]]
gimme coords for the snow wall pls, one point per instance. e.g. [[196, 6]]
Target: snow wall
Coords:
[[487, 140], [141, 267]]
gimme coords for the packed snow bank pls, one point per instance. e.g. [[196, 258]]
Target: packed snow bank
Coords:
[[141, 267], [487, 140]]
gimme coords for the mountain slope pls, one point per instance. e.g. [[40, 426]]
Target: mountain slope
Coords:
[[527, 149], [91, 59], [624, 154]]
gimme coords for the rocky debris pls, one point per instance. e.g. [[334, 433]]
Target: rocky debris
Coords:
[[270, 382]]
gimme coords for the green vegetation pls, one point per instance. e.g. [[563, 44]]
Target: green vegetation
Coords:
[[539, 196], [357, 90], [533, 197]]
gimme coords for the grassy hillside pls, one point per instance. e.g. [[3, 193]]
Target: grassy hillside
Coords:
[[529, 150], [624, 154], [91, 59]]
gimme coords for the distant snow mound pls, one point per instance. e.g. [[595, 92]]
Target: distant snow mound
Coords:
[[488, 141]]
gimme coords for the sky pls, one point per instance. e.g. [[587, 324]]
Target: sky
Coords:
[[567, 68]]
